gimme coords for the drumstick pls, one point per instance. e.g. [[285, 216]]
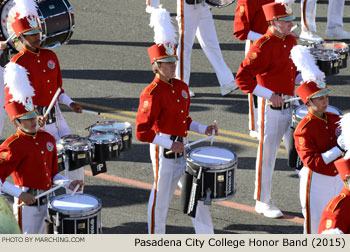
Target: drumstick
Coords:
[[212, 134], [294, 27], [193, 143], [52, 102], [91, 112], [288, 100], [45, 193], [75, 190], [9, 38]]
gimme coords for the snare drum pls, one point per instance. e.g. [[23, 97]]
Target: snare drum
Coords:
[[218, 178], [121, 128], [328, 62], [106, 146], [298, 114], [60, 156], [56, 21], [77, 214], [79, 153]]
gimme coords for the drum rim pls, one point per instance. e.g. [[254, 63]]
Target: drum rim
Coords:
[[115, 139], [126, 129], [305, 106], [77, 213], [86, 147], [214, 166]]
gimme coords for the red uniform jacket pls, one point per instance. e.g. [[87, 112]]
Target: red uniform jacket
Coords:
[[32, 160], [44, 73], [164, 107], [336, 214], [314, 136], [249, 16], [269, 60]]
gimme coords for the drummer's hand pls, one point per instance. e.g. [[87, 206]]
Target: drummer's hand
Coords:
[[76, 107], [74, 184], [276, 100], [27, 198], [3, 45], [209, 130], [41, 121], [177, 147]]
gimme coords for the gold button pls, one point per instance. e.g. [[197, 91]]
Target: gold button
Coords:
[[184, 121], [48, 81], [335, 171], [173, 91], [47, 174], [37, 143], [42, 152], [284, 46], [44, 70], [47, 185], [326, 127], [178, 100], [185, 132], [38, 61], [44, 163], [50, 92]]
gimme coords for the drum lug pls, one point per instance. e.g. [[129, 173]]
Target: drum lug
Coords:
[[207, 200]]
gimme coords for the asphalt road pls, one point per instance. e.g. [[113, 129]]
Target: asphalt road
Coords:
[[105, 66]]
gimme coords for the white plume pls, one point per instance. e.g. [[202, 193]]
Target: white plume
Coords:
[[285, 1], [345, 131], [333, 231], [16, 79], [164, 31], [305, 63], [26, 8]]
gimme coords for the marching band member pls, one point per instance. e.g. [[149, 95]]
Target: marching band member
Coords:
[[163, 121], [3, 46], [335, 217], [44, 74], [29, 155], [316, 142], [196, 20], [269, 60], [250, 25]]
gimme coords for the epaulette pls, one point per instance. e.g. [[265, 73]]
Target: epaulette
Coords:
[[259, 43], [16, 57], [10, 140], [149, 89], [332, 205], [303, 123]]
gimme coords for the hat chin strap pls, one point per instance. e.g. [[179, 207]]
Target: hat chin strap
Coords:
[[277, 27]]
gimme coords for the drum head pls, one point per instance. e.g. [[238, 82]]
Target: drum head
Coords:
[[76, 204], [103, 138], [68, 138], [212, 156], [110, 126]]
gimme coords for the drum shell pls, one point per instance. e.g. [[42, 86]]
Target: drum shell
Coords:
[[220, 178], [126, 140], [76, 221], [106, 151], [60, 162], [78, 158]]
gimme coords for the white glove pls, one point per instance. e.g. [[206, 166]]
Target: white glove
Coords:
[[341, 142]]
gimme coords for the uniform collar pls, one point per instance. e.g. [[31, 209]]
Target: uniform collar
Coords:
[[20, 132], [316, 117], [29, 51], [157, 79]]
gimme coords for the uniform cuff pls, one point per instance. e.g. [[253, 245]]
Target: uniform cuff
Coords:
[[197, 127], [162, 141], [331, 155], [262, 92], [64, 99], [253, 36], [10, 189]]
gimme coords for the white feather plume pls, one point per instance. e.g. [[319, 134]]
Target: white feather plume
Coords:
[[26, 8], [333, 231], [285, 1], [345, 131], [305, 63], [164, 31], [16, 79]]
